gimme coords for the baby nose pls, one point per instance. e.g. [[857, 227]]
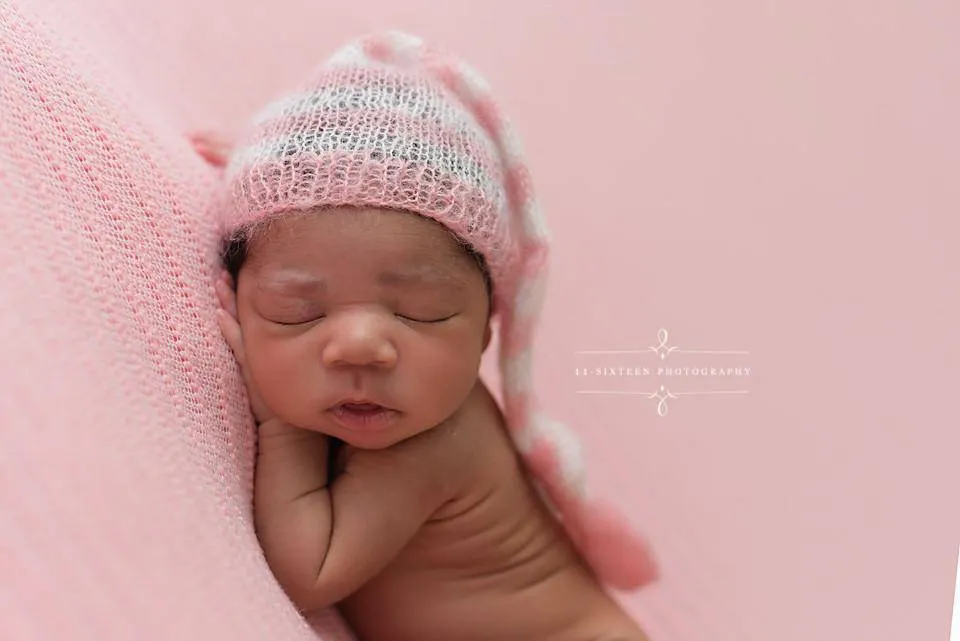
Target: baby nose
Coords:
[[360, 340]]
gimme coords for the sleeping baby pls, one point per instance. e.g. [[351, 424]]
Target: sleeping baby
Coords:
[[379, 222]]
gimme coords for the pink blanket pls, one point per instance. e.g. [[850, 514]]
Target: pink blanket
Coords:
[[125, 446]]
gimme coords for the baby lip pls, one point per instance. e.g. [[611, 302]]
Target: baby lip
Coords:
[[360, 405]]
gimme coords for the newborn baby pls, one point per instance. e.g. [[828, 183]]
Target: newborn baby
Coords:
[[378, 222]]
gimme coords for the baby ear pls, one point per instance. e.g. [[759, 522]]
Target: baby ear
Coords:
[[214, 147]]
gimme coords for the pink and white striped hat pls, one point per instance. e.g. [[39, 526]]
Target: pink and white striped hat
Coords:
[[392, 122]]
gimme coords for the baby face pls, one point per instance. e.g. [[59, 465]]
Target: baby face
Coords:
[[367, 325]]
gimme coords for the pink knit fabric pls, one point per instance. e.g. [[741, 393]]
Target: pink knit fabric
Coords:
[[390, 121], [126, 447]]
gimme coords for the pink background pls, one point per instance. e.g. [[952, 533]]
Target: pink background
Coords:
[[778, 178]]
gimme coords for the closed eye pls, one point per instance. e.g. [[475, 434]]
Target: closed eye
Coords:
[[298, 322], [426, 321]]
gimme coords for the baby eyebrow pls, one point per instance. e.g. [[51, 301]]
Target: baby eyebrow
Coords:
[[291, 282], [427, 275]]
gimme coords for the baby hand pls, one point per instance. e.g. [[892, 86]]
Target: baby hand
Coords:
[[229, 324]]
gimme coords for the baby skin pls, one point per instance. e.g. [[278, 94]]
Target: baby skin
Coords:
[[386, 483]]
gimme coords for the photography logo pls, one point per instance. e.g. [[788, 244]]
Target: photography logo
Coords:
[[664, 376]]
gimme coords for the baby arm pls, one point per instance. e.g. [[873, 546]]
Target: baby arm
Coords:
[[324, 542]]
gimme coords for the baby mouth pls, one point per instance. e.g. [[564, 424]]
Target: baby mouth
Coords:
[[363, 416], [361, 407]]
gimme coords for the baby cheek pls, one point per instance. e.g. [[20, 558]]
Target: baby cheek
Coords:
[[445, 374], [273, 362], [286, 381]]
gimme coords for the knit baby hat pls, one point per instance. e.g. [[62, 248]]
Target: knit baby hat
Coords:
[[392, 122]]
